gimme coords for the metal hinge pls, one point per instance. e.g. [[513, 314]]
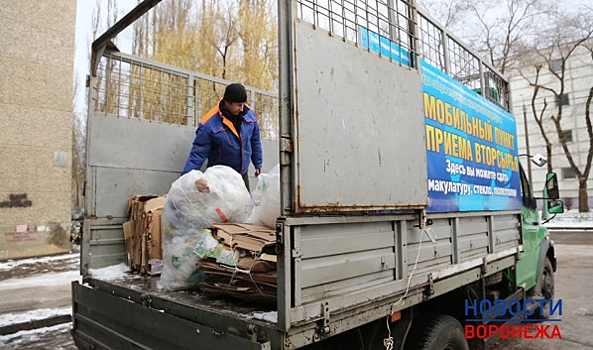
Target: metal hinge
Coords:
[[325, 329], [430, 287], [279, 238], [146, 300]]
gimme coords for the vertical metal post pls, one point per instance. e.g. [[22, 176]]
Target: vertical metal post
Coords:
[[527, 143], [286, 154], [445, 46], [190, 101], [392, 15], [456, 250], [286, 106], [482, 79], [413, 29]]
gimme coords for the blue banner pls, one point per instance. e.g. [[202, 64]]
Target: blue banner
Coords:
[[471, 148], [387, 48]]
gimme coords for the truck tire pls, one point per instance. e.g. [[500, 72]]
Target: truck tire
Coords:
[[437, 332], [546, 287], [493, 279]]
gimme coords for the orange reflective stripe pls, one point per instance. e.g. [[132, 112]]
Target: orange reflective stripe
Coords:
[[214, 111], [228, 123]]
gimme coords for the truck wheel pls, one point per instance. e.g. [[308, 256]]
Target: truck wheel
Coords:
[[493, 279], [547, 287], [440, 332]]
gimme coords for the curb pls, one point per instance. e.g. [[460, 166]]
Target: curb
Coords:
[[34, 324], [584, 229]]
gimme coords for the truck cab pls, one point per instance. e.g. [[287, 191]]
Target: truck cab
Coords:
[[538, 247]]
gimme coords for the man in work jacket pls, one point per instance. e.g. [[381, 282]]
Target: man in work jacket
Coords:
[[228, 135]]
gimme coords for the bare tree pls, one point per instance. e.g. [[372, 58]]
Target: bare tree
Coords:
[[557, 87], [449, 13], [497, 32], [258, 32], [549, 56], [219, 31], [539, 114]]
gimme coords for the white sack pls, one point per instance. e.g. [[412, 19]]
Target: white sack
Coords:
[[266, 198]]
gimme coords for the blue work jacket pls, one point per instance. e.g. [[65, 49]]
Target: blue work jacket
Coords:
[[217, 141]]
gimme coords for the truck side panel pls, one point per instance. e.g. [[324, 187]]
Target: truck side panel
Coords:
[[336, 273], [355, 152], [344, 264]]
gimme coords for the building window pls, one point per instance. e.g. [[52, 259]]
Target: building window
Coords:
[[568, 173], [566, 135], [556, 65], [562, 100]]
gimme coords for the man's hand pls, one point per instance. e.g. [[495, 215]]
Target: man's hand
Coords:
[[257, 172]]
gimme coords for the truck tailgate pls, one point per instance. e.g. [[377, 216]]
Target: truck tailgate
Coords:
[[130, 315]]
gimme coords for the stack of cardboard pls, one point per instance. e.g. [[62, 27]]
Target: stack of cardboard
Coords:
[[142, 233], [238, 260]]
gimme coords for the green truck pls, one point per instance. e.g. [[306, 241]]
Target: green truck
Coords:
[[406, 220]]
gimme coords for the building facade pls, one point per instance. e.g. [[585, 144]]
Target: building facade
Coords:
[[36, 93], [576, 84]]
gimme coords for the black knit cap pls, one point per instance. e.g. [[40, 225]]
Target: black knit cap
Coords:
[[235, 93]]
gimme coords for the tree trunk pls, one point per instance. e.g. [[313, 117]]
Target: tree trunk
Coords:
[[583, 198], [549, 157]]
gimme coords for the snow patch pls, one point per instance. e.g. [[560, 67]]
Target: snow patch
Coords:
[[9, 264], [110, 273], [39, 314], [271, 316]]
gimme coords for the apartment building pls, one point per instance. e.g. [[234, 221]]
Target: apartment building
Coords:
[[36, 89], [577, 83]]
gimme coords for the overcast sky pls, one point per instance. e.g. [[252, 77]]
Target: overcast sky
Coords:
[[83, 39]]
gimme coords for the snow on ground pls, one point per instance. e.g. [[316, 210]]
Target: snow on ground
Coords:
[[54, 337], [55, 270], [571, 218], [10, 318], [11, 264], [45, 277], [42, 279]]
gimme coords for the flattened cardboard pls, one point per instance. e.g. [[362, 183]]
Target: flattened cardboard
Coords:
[[129, 230], [268, 278], [254, 278], [268, 257], [247, 236]]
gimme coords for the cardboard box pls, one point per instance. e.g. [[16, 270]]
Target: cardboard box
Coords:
[[142, 233]]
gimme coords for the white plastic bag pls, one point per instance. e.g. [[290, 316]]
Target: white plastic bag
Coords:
[[266, 198], [197, 200], [179, 264], [194, 202]]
